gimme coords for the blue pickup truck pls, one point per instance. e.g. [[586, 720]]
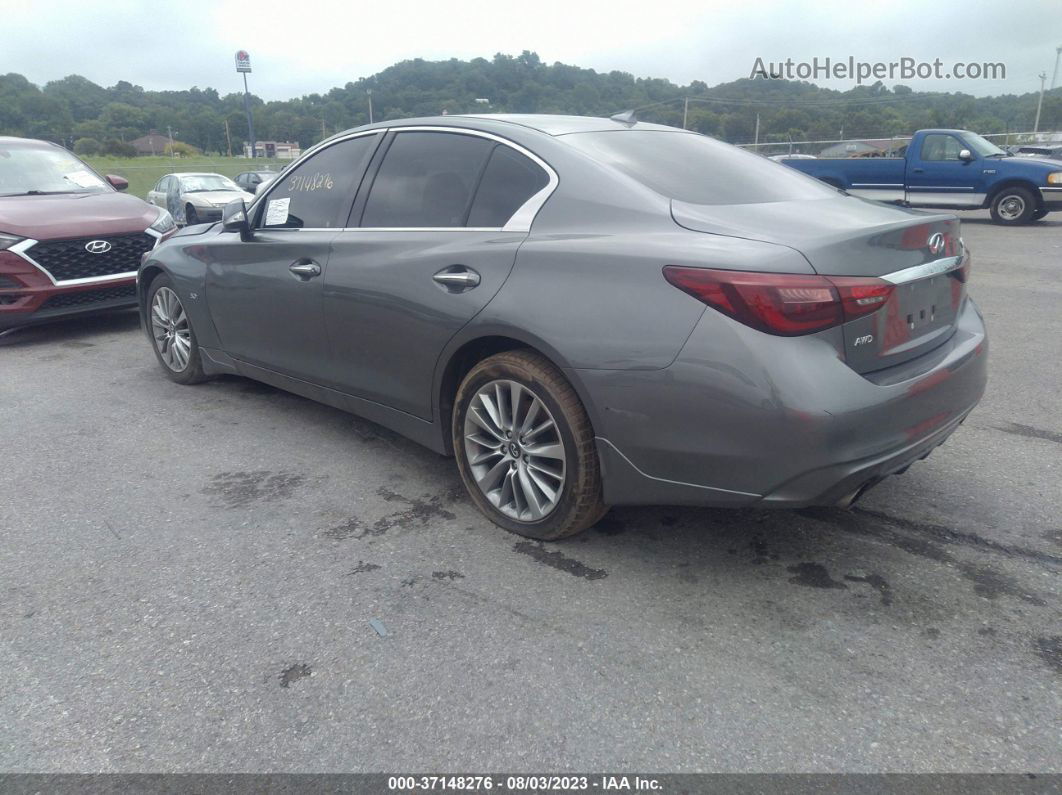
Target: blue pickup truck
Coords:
[[952, 169]]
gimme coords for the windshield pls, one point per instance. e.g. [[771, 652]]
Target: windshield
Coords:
[[697, 169], [29, 170], [982, 146], [201, 183]]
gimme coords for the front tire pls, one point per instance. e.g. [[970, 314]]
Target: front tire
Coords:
[[1013, 206], [172, 336], [1036, 216], [525, 447], [191, 217]]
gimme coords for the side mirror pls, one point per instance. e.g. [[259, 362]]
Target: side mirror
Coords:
[[234, 219], [966, 154], [118, 183]]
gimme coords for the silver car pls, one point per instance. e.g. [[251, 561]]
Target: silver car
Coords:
[[195, 198], [587, 312]]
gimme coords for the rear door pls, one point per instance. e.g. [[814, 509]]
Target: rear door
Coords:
[[436, 236], [265, 293], [938, 177]]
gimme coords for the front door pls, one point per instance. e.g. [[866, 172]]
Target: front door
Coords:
[[265, 293], [431, 249], [940, 177]]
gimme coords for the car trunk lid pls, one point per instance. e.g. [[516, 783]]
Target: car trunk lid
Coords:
[[919, 253]]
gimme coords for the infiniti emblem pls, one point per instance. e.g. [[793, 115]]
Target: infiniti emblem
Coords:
[[936, 243], [97, 247]]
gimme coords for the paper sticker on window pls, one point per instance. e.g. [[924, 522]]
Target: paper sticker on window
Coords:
[[277, 212], [84, 179]]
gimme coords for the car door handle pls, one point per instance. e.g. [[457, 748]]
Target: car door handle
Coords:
[[457, 278], [918, 170], [305, 269]]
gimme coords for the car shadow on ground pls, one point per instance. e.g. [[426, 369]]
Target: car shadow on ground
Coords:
[[71, 329]]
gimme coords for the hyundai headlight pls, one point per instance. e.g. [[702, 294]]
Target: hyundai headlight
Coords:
[[164, 223]]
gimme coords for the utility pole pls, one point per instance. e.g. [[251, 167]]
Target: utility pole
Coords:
[[323, 134], [369, 92], [685, 113], [169, 130], [243, 65], [757, 129], [228, 138], [1054, 77], [1040, 104]]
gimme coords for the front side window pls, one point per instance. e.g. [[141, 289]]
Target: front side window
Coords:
[[427, 179], [941, 147], [697, 169], [509, 181], [317, 194]]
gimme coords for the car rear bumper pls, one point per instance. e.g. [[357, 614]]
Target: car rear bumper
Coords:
[[743, 418]]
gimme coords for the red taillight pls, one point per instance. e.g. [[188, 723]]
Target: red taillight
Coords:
[[788, 304]]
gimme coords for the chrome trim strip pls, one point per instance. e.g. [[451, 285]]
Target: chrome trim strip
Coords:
[[1049, 188], [877, 184], [925, 270], [520, 221], [939, 187]]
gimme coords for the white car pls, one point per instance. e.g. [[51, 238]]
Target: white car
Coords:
[[195, 198]]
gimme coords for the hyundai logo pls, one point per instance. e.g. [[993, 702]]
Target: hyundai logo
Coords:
[[97, 247], [936, 243]]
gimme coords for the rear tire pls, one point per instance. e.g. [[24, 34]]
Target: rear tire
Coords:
[[525, 448], [1013, 206], [172, 336]]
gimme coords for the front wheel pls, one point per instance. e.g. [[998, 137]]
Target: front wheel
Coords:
[[525, 448], [171, 333], [1013, 206], [1036, 216], [191, 218]]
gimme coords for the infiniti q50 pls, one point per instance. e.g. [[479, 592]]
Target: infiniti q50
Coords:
[[585, 313]]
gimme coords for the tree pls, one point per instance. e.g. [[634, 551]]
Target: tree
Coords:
[[87, 146]]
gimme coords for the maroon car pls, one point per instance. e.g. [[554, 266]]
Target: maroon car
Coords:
[[69, 241]]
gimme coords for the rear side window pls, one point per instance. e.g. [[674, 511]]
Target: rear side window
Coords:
[[318, 193], [427, 179], [697, 169], [509, 181]]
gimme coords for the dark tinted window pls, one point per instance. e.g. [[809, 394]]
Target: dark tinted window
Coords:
[[509, 181], [697, 169], [317, 194], [426, 180]]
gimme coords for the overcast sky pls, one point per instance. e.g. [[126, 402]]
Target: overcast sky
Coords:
[[305, 46]]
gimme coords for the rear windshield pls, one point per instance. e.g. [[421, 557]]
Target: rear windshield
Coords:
[[696, 169], [32, 170]]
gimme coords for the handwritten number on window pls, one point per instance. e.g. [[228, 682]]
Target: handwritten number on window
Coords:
[[311, 182]]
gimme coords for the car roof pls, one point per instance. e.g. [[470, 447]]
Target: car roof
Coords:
[[544, 123], [196, 174]]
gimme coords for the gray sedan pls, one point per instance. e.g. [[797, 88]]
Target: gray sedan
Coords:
[[587, 312], [194, 198]]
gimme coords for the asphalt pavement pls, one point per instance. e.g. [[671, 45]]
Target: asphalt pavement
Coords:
[[230, 578]]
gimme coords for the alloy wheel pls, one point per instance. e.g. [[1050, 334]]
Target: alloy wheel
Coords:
[[170, 329], [515, 450]]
